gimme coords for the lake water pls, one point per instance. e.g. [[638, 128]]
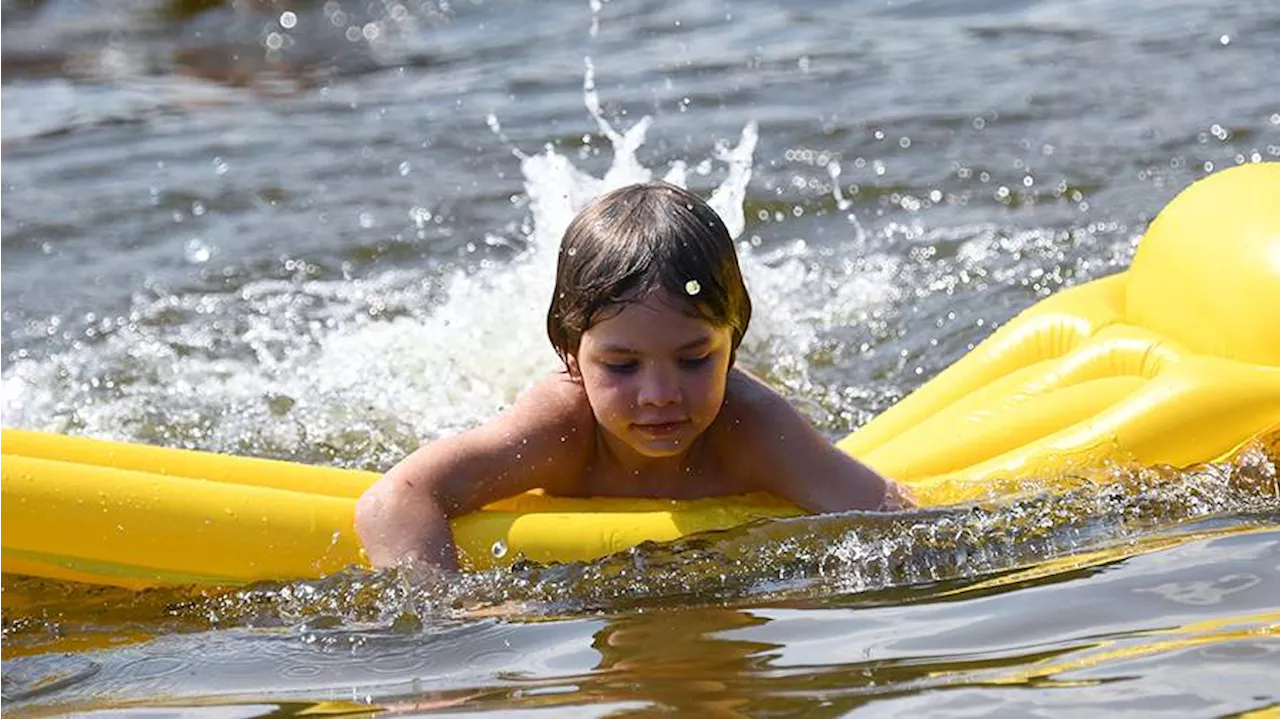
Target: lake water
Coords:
[[324, 232]]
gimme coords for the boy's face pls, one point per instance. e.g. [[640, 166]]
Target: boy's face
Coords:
[[655, 377]]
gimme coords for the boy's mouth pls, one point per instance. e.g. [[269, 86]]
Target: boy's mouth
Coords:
[[660, 429]]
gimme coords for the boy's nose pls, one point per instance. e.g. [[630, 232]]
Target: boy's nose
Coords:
[[659, 388]]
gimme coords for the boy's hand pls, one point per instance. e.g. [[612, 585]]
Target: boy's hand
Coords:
[[897, 497]]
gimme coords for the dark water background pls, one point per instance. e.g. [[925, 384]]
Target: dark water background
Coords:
[[320, 231]]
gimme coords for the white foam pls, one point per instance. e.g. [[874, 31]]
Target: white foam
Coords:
[[314, 362]]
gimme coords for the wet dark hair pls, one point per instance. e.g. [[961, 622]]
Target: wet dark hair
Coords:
[[638, 239]]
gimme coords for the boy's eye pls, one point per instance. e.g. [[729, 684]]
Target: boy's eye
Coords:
[[620, 366], [693, 362]]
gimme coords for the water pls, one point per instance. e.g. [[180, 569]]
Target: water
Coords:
[[222, 220]]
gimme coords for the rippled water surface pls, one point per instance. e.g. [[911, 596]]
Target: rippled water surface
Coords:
[[323, 232]]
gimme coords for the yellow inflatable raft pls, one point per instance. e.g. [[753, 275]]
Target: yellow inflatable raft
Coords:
[[1175, 361]]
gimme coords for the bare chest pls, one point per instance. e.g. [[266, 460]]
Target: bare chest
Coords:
[[698, 475]]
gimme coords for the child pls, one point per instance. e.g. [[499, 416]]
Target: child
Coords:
[[648, 311]]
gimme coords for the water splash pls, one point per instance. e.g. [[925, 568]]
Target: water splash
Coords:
[[558, 190], [1120, 512], [281, 367], [596, 6], [292, 359]]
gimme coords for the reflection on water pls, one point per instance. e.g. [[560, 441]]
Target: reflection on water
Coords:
[[685, 661]]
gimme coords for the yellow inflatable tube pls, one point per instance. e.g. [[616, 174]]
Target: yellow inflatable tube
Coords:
[[1175, 361], [133, 515]]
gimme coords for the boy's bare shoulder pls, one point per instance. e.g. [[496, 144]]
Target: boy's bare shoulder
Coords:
[[559, 398], [741, 435], [553, 413], [749, 403], [768, 445], [544, 439], [761, 439]]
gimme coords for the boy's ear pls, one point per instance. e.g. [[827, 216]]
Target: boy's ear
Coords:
[[571, 362]]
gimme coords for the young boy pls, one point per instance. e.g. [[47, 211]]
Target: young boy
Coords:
[[648, 311]]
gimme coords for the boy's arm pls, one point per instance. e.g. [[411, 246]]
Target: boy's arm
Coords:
[[776, 450], [543, 440]]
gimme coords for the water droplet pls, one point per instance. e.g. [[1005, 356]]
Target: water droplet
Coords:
[[692, 287], [572, 251], [197, 252], [288, 20], [499, 549]]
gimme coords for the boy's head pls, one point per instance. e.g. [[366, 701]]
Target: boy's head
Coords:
[[637, 240]]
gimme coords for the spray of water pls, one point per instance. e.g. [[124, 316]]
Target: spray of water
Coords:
[[284, 368], [357, 371]]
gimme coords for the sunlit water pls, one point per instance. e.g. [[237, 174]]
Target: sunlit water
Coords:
[[326, 233]]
